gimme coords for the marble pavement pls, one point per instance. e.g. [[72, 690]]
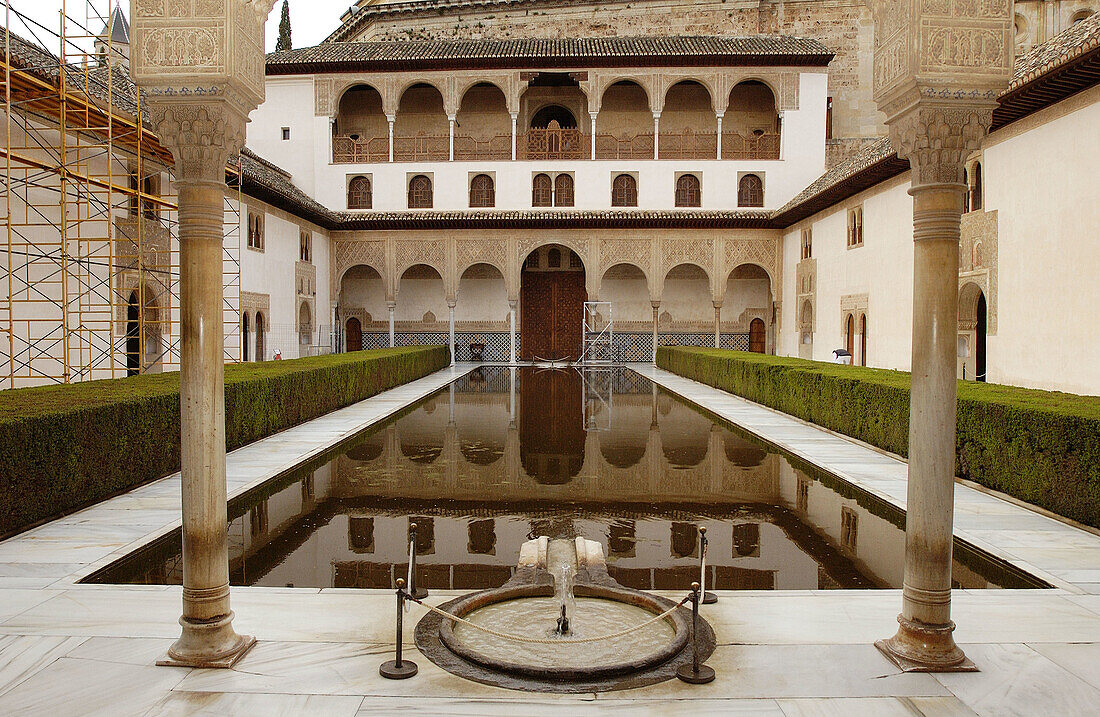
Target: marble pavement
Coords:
[[74, 649]]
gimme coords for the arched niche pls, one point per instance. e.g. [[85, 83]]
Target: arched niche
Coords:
[[421, 296]]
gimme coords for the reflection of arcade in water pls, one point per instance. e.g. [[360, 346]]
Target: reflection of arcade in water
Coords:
[[506, 454]]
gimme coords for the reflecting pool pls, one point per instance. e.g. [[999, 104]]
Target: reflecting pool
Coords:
[[507, 454]]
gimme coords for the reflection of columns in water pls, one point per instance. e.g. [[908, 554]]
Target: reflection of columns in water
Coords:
[[392, 448], [451, 402], [390, 307], [656, 308], [512, 395], [653, 455], [512, 330], [716, 459], [451, 334]]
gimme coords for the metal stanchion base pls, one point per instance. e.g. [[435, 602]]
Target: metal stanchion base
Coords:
[[689, 675], [420, 593], [709, 598], [391, 671]]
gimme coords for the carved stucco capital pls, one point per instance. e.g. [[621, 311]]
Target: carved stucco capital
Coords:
[[201, 137], [937, 139]]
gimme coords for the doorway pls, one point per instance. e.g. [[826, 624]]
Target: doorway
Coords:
[[552, 296], [757, 336], [354, 335]]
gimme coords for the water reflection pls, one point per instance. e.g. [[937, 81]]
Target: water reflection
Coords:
[[505, 454]]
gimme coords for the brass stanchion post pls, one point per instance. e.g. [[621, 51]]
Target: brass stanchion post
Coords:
[[398, 669], [696, 673]]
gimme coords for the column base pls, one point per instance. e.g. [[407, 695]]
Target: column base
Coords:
[[918, 647], [207, 644]]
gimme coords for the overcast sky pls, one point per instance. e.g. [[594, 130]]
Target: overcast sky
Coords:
[[311, 20]]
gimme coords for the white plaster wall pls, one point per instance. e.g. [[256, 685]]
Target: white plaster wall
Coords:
[[482, 299], [1043, 185], [415, 297], [629, 299], [289, 103]]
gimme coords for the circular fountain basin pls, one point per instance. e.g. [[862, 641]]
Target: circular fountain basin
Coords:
[[530, 611]]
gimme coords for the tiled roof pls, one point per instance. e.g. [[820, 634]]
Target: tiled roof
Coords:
[[393, 55], [270, 183], [1081, 38], [871, 155]]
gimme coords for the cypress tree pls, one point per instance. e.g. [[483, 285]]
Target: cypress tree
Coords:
[[284, 28]]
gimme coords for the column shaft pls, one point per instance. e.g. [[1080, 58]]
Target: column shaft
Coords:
[[717, 326], [515, 118], [656, 308], [512, 330], [593, 114], [719, 116], [391, 308], [656, 135], [389, 121], [452, 334], [451, 139]]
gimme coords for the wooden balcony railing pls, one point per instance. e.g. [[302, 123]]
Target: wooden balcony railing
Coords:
[[346, 150], [625, 146], [736, 146], [553, 143], [495, 149], [688, 145], [422, 148]]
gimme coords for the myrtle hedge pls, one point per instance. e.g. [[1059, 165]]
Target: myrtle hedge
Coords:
[[66, 446], [1042, 447]]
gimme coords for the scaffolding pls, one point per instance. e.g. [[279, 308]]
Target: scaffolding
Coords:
[[91, 241]]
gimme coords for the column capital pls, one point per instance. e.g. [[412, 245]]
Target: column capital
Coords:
[[937, 138], [512, 304], [391, 118], [202, 136]]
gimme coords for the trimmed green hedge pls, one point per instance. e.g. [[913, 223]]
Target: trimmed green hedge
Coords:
[[1042, 447], [66, 446]]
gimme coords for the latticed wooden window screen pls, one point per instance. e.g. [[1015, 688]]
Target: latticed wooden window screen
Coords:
[[482, 193], [420, 192], [687, 191], [359, 193], [541, 191], [624, 191], [750, 191]]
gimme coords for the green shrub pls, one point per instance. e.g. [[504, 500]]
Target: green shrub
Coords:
[[1042, 447], [66, 446]]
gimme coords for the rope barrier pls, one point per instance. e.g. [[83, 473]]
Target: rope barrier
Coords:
[[547, 641]]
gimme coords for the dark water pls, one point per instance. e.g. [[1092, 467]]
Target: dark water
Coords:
[[504, 455]]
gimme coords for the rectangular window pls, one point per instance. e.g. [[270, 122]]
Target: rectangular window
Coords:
[[286, 133]]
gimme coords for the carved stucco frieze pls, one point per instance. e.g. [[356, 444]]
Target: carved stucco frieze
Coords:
[[201, 137], [806, 290], [253, 303], [349, 253], [936, 140]]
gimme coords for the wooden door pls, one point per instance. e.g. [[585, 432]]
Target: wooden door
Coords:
[[354, 336], [551, 315], [757, 336]]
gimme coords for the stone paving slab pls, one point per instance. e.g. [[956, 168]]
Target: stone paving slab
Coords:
[[1060, 553]]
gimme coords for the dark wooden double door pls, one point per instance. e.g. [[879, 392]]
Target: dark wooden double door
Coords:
[[551, 314]]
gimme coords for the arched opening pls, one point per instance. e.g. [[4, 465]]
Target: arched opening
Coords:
[[806, 330], [687, 307], [1081, 15], [482, 420], [133, 335], [747, 298], [305, 328], [360, 195], [482, 191], [259, 337], [751, 125], [688, 191], [750, 191], [976, 188], [353, 336], [624, 128], [688, 123], [850, 335], [244, 336], [627, 288], [420, 129], [421, 433], [362, 300], [360, 132], [741, 452], [563, 190], [863, 340], [758, 336], [623, 445], [420, 192], [553, 114], [552, 296], [973, 327], [481, 314], [624, 191], [421, 305], [542, 191], [483, 128]]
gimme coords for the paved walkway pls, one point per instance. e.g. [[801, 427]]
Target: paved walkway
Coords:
[[69, 649]]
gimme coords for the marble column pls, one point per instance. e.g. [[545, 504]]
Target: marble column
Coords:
[[656, 308], [512, 331], [515, 119], [719, 116], [656, 135], [451, 330], [390, 119], [391, 307], [938, 106], [717, 324], [202, 135], [593, 116], [451, 137]]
